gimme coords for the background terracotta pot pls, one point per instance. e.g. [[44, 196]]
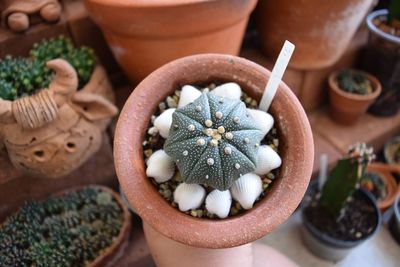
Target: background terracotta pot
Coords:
[[296, 151], [321, 30], [346, 108], [144, 35], [385, 173]]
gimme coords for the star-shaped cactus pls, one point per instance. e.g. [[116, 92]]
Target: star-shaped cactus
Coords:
[[213, 141]]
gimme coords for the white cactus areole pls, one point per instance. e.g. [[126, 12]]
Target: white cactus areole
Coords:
[[213, 141]]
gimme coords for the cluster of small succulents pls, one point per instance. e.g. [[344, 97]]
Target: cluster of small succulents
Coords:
[[218, 145], [67, 230], [24, 76], [354, 82]]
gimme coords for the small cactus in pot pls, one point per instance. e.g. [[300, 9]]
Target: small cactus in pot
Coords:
[[216, 144]]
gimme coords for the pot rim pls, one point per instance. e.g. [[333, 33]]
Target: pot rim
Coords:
[[389, 182], [206, 233], [376, 30], [337, 243], [356, 97]]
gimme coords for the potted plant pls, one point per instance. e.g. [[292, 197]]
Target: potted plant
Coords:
[[394, 224], [48, 127], [382, 57], [351, 92], [19, 15], [85, 226], [391, 151], [143, 35], [321, 37], [182, 233], [341, 216], [380, 181]]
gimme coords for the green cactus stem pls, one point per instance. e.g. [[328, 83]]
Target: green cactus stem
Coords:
[[354, 82], [213, 141], [67, 230], [345, 179]]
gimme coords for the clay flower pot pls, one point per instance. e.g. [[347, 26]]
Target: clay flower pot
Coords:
[[19, 15], [53, 132], [346, 108], [321, 31], [385, 174], [199, 236], [144, 35]]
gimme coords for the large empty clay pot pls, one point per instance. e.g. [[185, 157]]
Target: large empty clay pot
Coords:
[[145, 34], [288, 188], [321, 30]]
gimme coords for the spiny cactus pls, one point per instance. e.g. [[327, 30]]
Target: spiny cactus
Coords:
[[354, 82], [56, 233], [213, 141], [24, 76], [345, 179]]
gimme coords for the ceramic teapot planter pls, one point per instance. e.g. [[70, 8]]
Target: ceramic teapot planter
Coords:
[[203, 235], [54, 131], [90, 224], [143, 35], [321, 31], [19, 15], [347, 107]]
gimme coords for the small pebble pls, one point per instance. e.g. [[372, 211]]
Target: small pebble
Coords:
[[162, 106], [171, 102], [148, 152], [193, 213], [358, 234], [265, 186], [153, 131], [212, 86], [178, 94], [271, 176], [275, 142]]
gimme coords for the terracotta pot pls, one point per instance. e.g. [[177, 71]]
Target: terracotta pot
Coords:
[[143, 35], [113, 252], [385, 173], [287, 190], [347, 108], [19, 15], [321, 30], [54, 131]]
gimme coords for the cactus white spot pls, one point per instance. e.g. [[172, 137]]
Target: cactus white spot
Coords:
[[210, 161], [236, 120], [221, 100], [191, 127], [201, 142], [207, 176], [198, 108], [214, 142], [228, 150], [185, 153], [229, 136], [221, 129], [218, 115], [237, 166], [208, 131], [208, 123], [246, 140]]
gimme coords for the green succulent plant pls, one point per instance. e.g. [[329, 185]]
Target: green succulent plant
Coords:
[[56, 233], [213, 141], [24, 76], [354, 82], [345, 178]]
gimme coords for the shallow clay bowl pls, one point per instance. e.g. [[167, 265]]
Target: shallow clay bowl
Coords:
[[296, 149]]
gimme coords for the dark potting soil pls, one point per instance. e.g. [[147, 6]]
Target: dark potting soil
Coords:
[[358, 221], [154, 142]]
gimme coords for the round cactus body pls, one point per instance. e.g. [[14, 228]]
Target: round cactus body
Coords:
[[213, 141]]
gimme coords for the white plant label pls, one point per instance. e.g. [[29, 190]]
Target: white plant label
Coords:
[[276, 75]]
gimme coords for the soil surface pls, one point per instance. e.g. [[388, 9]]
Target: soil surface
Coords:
[[358, 222], [154, 142]]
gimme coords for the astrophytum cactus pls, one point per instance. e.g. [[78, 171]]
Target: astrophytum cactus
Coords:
[[213, 141]]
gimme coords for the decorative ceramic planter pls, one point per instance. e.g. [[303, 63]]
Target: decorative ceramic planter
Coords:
[[165, 220], [394, 224], [382, 58], [321, 31], [329, 248], [54, 131], [144, 35], [385, 174], [346, 108], [19, 15]]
